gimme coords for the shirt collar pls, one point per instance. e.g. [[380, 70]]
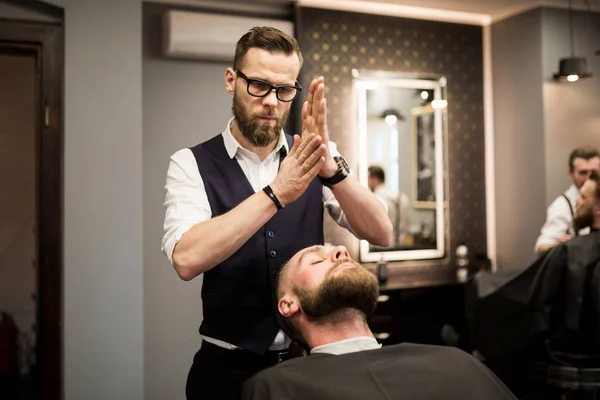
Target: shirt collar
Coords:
[[351, 345], [572, 193], [232, 145]]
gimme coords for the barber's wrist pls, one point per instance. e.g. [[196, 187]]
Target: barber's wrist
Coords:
[[328, 169], [273, 192], [341, 173]]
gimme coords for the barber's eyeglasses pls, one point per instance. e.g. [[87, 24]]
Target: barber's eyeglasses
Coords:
[[259, 88]]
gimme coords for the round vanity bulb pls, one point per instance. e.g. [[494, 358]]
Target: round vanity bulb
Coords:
[[437, 104], [462, 262], [573, 78], [424, 95], [391, 119]]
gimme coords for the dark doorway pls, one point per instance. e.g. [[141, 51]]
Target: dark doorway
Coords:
[[31, 215]]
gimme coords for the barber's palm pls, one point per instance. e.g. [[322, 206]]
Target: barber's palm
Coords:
[[314, 119], [299, 168]]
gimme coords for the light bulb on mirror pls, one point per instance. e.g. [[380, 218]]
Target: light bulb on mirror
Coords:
[[573, 78], [438, 104], [391, 119]]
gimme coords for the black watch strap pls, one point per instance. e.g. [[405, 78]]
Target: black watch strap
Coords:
[[341, 174]]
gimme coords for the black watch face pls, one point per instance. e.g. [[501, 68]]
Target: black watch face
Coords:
[[342, 163]]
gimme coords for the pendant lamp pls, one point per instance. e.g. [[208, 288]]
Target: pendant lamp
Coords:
[[572, 69]]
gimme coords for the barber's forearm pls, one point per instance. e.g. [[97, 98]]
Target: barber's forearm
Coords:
[[209, 243], [366, 214]]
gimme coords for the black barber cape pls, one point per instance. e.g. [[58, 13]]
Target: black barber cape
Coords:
[[404, 371], [558, 293]]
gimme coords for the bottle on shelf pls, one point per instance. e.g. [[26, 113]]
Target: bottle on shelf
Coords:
[[382, 270]]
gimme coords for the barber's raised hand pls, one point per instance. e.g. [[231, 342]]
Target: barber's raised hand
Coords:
[[299, 168], [314, 119]]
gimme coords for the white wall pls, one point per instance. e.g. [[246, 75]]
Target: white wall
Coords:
[[103, 280], [518, 138], [185, 103], [538, 121], [571, 110]]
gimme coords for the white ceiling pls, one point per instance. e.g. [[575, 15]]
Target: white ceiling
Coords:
[[496, 9], [492, 9]]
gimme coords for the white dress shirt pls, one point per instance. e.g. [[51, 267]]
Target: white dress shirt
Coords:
[[559, 219], [398, 209], [186, 203], [346, 346]]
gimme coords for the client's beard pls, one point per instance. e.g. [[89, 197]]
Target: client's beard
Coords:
[[354, 288], [259, 135], [581, 221]]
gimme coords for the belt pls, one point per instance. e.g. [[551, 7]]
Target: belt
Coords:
[[278, 356], [270, 357]]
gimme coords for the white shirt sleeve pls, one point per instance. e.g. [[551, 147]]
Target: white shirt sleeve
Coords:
[[558, 222], [186, 203]]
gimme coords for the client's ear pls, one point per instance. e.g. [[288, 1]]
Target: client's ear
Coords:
[[288, 306]]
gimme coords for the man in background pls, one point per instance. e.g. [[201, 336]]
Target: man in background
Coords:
[[554, 302], [325, 298], [398, 204], [559, 216]]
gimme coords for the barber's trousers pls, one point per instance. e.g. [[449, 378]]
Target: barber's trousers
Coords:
[[218, 373]]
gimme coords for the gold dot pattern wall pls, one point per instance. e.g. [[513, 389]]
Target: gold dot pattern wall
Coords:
[[335, 42]]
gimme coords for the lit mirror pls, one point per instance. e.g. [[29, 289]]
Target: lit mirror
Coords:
[[401, 125]]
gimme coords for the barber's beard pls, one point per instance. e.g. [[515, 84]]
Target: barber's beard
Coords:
[[353, 288], [258, 134], [581, 221]]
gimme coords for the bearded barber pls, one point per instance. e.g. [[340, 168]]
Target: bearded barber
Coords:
[[242, 203]]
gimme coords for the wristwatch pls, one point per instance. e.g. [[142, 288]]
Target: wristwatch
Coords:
[[341, 174]]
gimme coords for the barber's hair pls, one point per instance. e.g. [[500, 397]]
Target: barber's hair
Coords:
[[377, 172], [587, 153], [594, 176], [270, 39]]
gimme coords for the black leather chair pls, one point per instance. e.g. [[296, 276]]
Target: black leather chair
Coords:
[[567, 368]]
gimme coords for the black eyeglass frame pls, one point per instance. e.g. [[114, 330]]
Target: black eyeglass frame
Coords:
[[249, 81]]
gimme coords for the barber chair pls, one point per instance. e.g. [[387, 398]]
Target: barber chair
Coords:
[[540, 331], [566, 368]]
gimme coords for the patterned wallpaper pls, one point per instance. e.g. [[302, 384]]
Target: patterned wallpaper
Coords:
[[335, 42]]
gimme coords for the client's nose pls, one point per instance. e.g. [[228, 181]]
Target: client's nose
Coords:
[[338, 253]]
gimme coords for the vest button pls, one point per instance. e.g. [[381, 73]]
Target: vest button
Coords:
[[273, 253], [271, 234]]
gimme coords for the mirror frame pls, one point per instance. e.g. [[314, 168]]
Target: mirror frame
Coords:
[[370, 80]]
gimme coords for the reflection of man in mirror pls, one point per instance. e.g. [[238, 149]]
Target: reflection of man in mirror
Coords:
[[426, 158], [559, 215], [398, 204]]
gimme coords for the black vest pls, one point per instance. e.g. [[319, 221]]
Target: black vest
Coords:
[[238, 294]]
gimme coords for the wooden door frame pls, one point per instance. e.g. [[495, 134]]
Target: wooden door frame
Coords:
[[46, 39]]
